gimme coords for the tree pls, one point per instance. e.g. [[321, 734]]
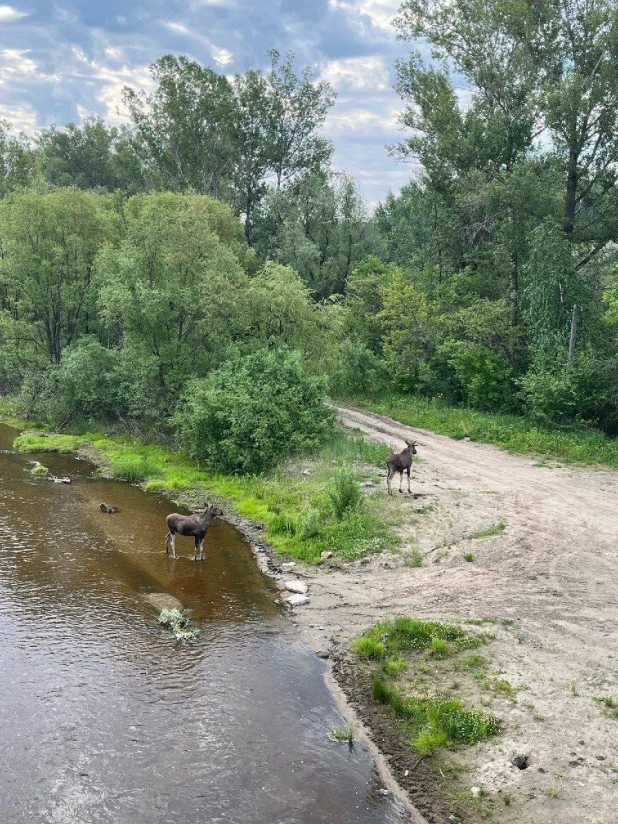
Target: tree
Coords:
[[297, 107], [186, 128], [91, 156], [48, 247], [173, 292], [17, 160], [319, 227]]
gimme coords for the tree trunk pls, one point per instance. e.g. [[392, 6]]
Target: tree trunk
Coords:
[[571, 193], [574, 325]]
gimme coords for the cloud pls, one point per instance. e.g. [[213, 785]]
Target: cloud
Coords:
[[379, 13], [8, 14], [62, 61], [358, 73]]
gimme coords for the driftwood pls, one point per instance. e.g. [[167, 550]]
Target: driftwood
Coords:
[[109, 509]]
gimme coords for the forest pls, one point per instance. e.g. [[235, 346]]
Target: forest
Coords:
[[204, 271]]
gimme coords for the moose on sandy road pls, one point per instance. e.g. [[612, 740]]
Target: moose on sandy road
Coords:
[[194, 525], [400, 462]]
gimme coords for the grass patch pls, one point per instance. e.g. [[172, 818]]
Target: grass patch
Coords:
[[567, 444], [429, 721], [494, 529], [433, 722], [134, 470], [41, 442], [469, 557]]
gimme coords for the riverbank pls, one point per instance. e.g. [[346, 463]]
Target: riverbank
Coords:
[[528, 553]]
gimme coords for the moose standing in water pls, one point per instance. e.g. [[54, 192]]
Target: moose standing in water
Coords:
[[194, 525], [400, 462]]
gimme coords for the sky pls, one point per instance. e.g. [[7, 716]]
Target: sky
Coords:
[[60, 62]]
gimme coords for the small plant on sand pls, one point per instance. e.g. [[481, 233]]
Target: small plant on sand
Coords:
[[176, 622], [414, 558], [340, 734], [469, 557], [494, 529]]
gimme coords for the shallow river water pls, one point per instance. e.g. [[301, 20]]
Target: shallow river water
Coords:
[[104, 718]]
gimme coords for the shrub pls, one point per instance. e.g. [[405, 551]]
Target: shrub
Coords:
[[345, 494], [359, 371], [253, 412]]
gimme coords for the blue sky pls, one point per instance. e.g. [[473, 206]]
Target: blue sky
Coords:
[[62, 61]]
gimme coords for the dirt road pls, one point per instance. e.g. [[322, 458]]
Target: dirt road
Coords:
[[549, 581]]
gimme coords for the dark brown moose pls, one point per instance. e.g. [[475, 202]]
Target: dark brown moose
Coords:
[[400, 462], [195, 525]]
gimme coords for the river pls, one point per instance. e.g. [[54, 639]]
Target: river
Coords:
[[105, 718]]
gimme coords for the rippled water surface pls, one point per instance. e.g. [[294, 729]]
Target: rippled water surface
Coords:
[[103, 718]]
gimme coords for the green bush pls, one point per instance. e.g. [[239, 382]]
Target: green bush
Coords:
[[359, 370], [584, 391], [83, 387], [484, 379], [345, 494], [253, 412]]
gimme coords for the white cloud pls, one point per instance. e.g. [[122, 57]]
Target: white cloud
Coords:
[[222, 56], [23, 117], [14, 62], [379, 12], [355, 122], [363, 73], [8, 14], [113, 82]]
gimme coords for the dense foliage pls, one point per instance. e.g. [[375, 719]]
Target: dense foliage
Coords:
[[252, 412], [143, 269]]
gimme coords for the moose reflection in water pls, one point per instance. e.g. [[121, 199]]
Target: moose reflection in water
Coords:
[[194, 525]]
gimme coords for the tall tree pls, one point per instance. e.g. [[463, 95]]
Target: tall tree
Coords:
[[187, 126], [297, 108]]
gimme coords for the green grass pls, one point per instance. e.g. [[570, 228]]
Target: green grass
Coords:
[[303, 514], [435, 721], [469, 557], [494, 529], [428, 721], [518, 434], [403, 634]]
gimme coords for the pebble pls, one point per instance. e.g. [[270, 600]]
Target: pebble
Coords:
[[298, 600], [326, 555], [296, 586], [288, 565], [321, 653]]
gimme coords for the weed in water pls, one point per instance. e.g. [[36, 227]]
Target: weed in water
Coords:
[[340, 734], [176, 622]]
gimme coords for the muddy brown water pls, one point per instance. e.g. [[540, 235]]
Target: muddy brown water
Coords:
[[104, 718]]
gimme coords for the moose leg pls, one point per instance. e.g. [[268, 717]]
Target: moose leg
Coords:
[[401, 482], [202, 549], [167, 542], [389, 476], [197, 543], [409, 490], [173, 543]]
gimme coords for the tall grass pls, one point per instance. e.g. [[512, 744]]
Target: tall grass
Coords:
[[518, 434]]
